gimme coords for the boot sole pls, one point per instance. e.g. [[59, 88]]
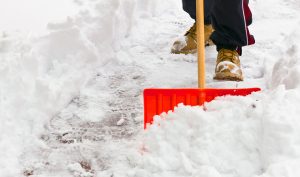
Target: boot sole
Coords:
[[228, 76], [191, 51], [184, 52]]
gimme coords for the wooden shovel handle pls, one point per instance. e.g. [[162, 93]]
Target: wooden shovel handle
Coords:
[[200, 43]]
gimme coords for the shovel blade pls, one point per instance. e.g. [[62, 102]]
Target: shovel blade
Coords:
[[157, 101]]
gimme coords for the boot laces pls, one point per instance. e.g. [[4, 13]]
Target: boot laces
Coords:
[[228, 55]]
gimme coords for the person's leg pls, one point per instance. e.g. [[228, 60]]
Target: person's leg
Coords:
[[190, 7], [189, 44], [230, 19]]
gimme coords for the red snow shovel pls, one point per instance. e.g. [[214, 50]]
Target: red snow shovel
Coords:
[[157, 101]]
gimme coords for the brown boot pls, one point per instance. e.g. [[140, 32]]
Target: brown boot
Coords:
[[189, 43], [228, 66], [208, 30]]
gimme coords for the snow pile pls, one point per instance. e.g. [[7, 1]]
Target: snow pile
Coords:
[[245, 137], [287, 69], [41, 75], [221, 140]]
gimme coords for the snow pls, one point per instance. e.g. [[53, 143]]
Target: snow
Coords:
[[233, 136], [72, 74], [32, 16]]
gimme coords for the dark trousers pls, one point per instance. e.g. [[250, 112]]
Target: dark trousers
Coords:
[[230, 19]]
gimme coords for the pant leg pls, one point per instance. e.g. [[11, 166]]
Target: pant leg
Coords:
[[190, 7], [230, 19]]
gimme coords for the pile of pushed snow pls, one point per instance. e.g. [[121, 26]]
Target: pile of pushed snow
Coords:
[[257, 135], [233, 136], [194, 142]]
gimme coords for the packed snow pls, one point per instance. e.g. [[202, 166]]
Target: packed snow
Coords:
[[71, 80]]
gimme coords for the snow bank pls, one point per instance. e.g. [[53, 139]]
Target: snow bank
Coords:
[[33, 15], [41, 75], [287, 69]]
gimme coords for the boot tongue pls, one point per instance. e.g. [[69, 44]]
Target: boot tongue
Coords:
[[231, 56], [228, 54]]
